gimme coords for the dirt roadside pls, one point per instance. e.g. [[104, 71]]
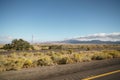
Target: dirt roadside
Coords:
[[40, 73]]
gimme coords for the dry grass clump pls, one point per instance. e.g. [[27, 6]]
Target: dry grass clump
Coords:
[[66, 60], [113, 53], [56, 57], [81, 57], [13, 64], [45, 61], [101, 56], [27, 63], [106, 55]]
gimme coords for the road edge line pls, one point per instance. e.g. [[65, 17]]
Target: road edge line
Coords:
[[101, 75]]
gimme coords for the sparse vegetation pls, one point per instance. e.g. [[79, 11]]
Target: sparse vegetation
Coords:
[[15, 61], [48, 55]]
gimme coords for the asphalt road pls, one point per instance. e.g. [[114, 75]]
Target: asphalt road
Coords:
[[84, 75], [115, 76], [78, 71]]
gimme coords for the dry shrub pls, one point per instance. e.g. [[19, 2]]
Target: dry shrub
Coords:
[[45, 61], [56, 57], [28, 63], [66, 60], [14, 64], [114, 54], [81, 57], [101, 56]]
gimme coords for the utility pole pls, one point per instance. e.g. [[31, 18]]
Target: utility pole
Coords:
[[32, 39]]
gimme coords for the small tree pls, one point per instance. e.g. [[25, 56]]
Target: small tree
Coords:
[[7, 47], [18, 44]]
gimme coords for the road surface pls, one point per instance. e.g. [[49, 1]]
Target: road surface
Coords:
[[86, 75]]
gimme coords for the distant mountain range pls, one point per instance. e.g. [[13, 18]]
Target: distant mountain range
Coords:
[[72, 41], [101, 38]]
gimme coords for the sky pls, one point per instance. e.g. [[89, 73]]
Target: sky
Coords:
[[54, 20]]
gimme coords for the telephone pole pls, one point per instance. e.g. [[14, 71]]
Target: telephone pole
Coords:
[[32, 39]]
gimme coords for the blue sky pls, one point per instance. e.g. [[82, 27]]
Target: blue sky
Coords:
[[51, 20]]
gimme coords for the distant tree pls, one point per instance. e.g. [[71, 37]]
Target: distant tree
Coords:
[[18, 44], [7, 47]]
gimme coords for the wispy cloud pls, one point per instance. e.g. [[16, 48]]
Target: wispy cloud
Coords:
[[101, 36], [6, 39]]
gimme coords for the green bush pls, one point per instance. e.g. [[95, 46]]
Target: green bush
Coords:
[[18, 44], [7, 47]]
